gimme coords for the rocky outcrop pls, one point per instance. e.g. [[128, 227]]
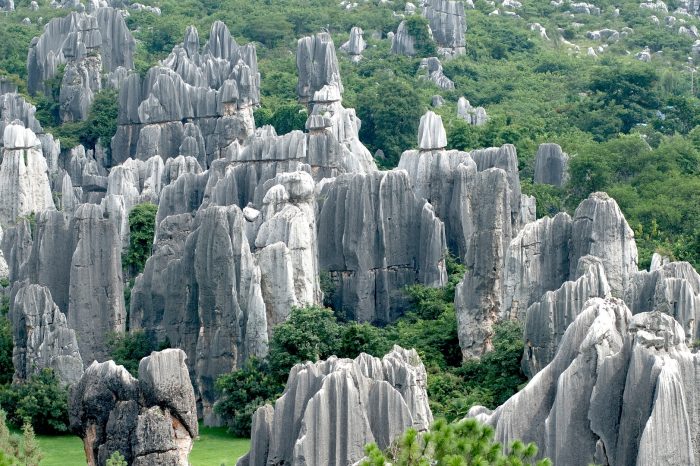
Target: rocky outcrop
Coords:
[[150, 421], [24, 182], [402, 43], [479, 295], [551, 165], [537, 261], [431, 69], [355, 45], [84, 42], [197, 102], [41, 336], [374, 238], [330, 409], [431, 132], [600, 230], [473, 115], [673, 288], [78, 258], [620, 390], [547, 319], [317, 66], [448, 24]]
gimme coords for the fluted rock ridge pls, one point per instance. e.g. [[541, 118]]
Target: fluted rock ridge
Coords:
[[24, 182], [432, 71], [355, 45], [448, 24], [42, 338], [330, 409], [317, 66], [150, 421], [215, 89], [375, 236], [620, 390]]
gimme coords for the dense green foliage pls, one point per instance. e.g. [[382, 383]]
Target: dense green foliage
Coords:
[[127, 349], [6, 368], [16, 450], [429, 326], [464, 443], [418, 28], [42, 401], [142, 228], [116, 459]]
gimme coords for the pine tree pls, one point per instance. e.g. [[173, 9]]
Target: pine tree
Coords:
[[116, 459], [30, 453]]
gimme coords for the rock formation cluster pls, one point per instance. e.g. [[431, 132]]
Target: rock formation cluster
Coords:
[[330, 409], [152, 420], [551, 165]]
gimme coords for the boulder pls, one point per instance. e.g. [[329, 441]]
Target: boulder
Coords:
[[448, 23], [355, 45], [473, 115], [431, 69], [150, 421]]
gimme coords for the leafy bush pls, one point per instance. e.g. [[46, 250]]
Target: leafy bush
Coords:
[[419, 29], [116, 459], [458, 444], [42, 401], [142, 226], [15, 450], [6, 345]]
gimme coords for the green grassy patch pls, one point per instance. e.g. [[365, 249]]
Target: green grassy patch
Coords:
[[214, 447]]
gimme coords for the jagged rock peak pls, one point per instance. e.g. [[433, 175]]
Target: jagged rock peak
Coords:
[[431, 132], [355, 45], [42, 338], [150, 421], [24, 182], [551, 165], [601, 230], [330, 409], [620, 390], [74, 37], [402, 43], [317, 66]]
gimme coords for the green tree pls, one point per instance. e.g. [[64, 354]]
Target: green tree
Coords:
[[463, 443], [6, 345], [419, 29], [30, 454], [101, 123], [243, 391], [116, 459], [42, 401], [390, 113], [142, 226]]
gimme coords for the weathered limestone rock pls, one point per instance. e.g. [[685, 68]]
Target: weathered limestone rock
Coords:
[[355, 45], [317, 66], [78, 258], [195, 103], [600, 229], [402, 43], [42, 338], [547, 320], [24, 183], [478, 297], [431, 132], [331, 409], [206, 276], [551, 165], [75, 37], [673, 288], [448, 24], [375, 237], [432, 71], [473, 115], [150, 421], [81, 80], [620, 390], [537, 261]]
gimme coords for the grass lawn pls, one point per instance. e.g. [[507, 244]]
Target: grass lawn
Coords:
[[215, 447]]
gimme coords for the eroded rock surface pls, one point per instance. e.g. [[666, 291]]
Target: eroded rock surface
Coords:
[[330, 409], [150, 421]]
